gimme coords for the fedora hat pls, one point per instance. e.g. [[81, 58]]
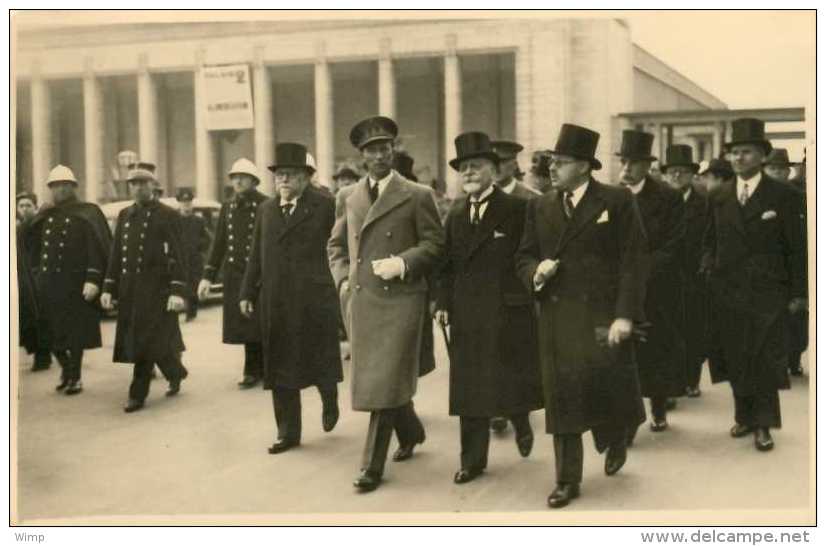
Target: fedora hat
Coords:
[[373, 129], [636, 145], [748, 131], [579, 143], [679, 155], [471, 145], [778, 157], [291, 154], [717, 167], [61, 173], [506, 149], [142, 170], [346, 172]]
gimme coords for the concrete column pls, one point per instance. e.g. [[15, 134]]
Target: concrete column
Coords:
[[524, 93], [93, 131], [387, 82], [325, 154], [41, 135], [264, 126], [147, 114], [453, 113], [206, 185]]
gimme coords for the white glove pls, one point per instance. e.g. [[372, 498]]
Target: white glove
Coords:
[[246, 308], [442, 317], [544, 271], [107, 302], [620, 330], [175, 304], [203, 289], [90, 290], [389, 268]]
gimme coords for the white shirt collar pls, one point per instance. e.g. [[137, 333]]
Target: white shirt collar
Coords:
[[510, 187], [637, 188], [293, 202], [686, 193], [485, 193], [382, 183], [576, 195], [751, 183]]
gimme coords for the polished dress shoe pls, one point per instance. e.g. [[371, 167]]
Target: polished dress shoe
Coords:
[[465, 475], [563, 494], [174, 387], [248, 382], [658, 424], [670, 403], [133, 405], [62, 385], [692, 392], [615, 459], [405, 452], [281, 446], [739, 431], [498, 424], [367, 481], [329, 418], [74, 387], [524, 443], [763, 439]]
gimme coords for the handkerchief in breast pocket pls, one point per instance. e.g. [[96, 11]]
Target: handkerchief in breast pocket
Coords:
[[768, 215], [498, 234], [603, 217]]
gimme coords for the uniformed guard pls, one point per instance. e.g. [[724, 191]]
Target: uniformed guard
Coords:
[[230, 250], [69, 244], [195, 238], [146, 281]]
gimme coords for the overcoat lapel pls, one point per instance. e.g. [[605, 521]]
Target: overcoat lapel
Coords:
[[731, 210], [302, 211], [756, 203], [586, 210], [494, 214], [394, 195], [358, 202], [551, 209]]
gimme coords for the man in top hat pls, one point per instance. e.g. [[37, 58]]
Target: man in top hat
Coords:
[[582, 254], [493, 354], [288, 280], [777, 165], [230, 250], [344, 177], [715, 174], [146, 281], [539, 176], [68, 245], [680, 172], [195, 238], [509, 168], [755, 253], [382, 250], [403, 164]]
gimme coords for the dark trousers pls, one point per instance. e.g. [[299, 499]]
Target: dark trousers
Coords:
[[474, 433], [695, 372], [70, 361], [403, 420], [568, 451], [192, 305], [253, 360], [761, 410], [658, 408], [42, 358], [799, 337], [171, 367], [286, 406]]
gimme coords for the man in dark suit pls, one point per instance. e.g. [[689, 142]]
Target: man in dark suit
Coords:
[[383, 248], [493, 354], [288, 279], [230, 253], [509, 170], [582, 254], [755, 253], [195, 238]]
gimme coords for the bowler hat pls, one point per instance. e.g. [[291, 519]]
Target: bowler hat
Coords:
[[142, 170], [373, 129], [778, 157], [471, 145], [26, 195], [636, 145], [679, 155], [506, 149], [291, 154], [578, 142], [748, 131], [346, 172], [718, 167], [185, 194]]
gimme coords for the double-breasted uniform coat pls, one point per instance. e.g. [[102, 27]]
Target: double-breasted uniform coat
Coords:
[[586, 384], [494, 367], [386, 319], [696, 328], [288, 279], [662, 358]]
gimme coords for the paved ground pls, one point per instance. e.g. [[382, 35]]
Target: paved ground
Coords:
[[204, 452]]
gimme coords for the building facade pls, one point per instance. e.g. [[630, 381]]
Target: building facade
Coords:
[[86, 94]]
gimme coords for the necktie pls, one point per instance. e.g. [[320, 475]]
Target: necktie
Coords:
[[744, 195], [475, 213], [287, 209], [374, 192], [568, 204]]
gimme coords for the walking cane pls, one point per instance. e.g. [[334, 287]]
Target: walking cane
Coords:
[[446, 337]]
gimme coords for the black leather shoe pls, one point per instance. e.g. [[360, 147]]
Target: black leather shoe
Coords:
[[367, 481], [524, 444], [248, 382], [563, 494], [670, 403], [739, 431], [133, 405], [465, 475], [174, 387], [763, 439], [74, 387], [405, 452], [692, 392], [796, 371], [281, 446], [62, 385], [329, 418], [658, 424], [615, 459], [498, 424]]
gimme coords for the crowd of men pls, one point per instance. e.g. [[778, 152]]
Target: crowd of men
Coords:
[[560, 293]]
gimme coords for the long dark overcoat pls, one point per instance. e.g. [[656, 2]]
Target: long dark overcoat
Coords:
[[147, 265], [600, 251], [288, 278], [696, 329], [662, 358], [230, 249], [756, 254], [27, 308], [196, 240], [494, 368]]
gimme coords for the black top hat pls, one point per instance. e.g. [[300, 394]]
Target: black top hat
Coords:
[[748, 131], [719, 167], [473, 144], [185, 194], [26, 195], [372, 130], [506, 149], [679, 155], [578, 142], [636, 145], [779, 157], [346, 172], [291, 154]]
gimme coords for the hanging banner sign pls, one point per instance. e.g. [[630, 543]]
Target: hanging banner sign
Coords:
[[228, 97]]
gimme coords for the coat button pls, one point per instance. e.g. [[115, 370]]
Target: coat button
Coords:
[[359, 260], [389, 234], [554, 299], [231, 259], [386, 288], [358, 287], [123, 270], [126, 224], [48, 231], [51, 219], [124, 248]]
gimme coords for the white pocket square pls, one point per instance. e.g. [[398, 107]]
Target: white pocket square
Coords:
[[603, 217], [498, 234], [768, 215]]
